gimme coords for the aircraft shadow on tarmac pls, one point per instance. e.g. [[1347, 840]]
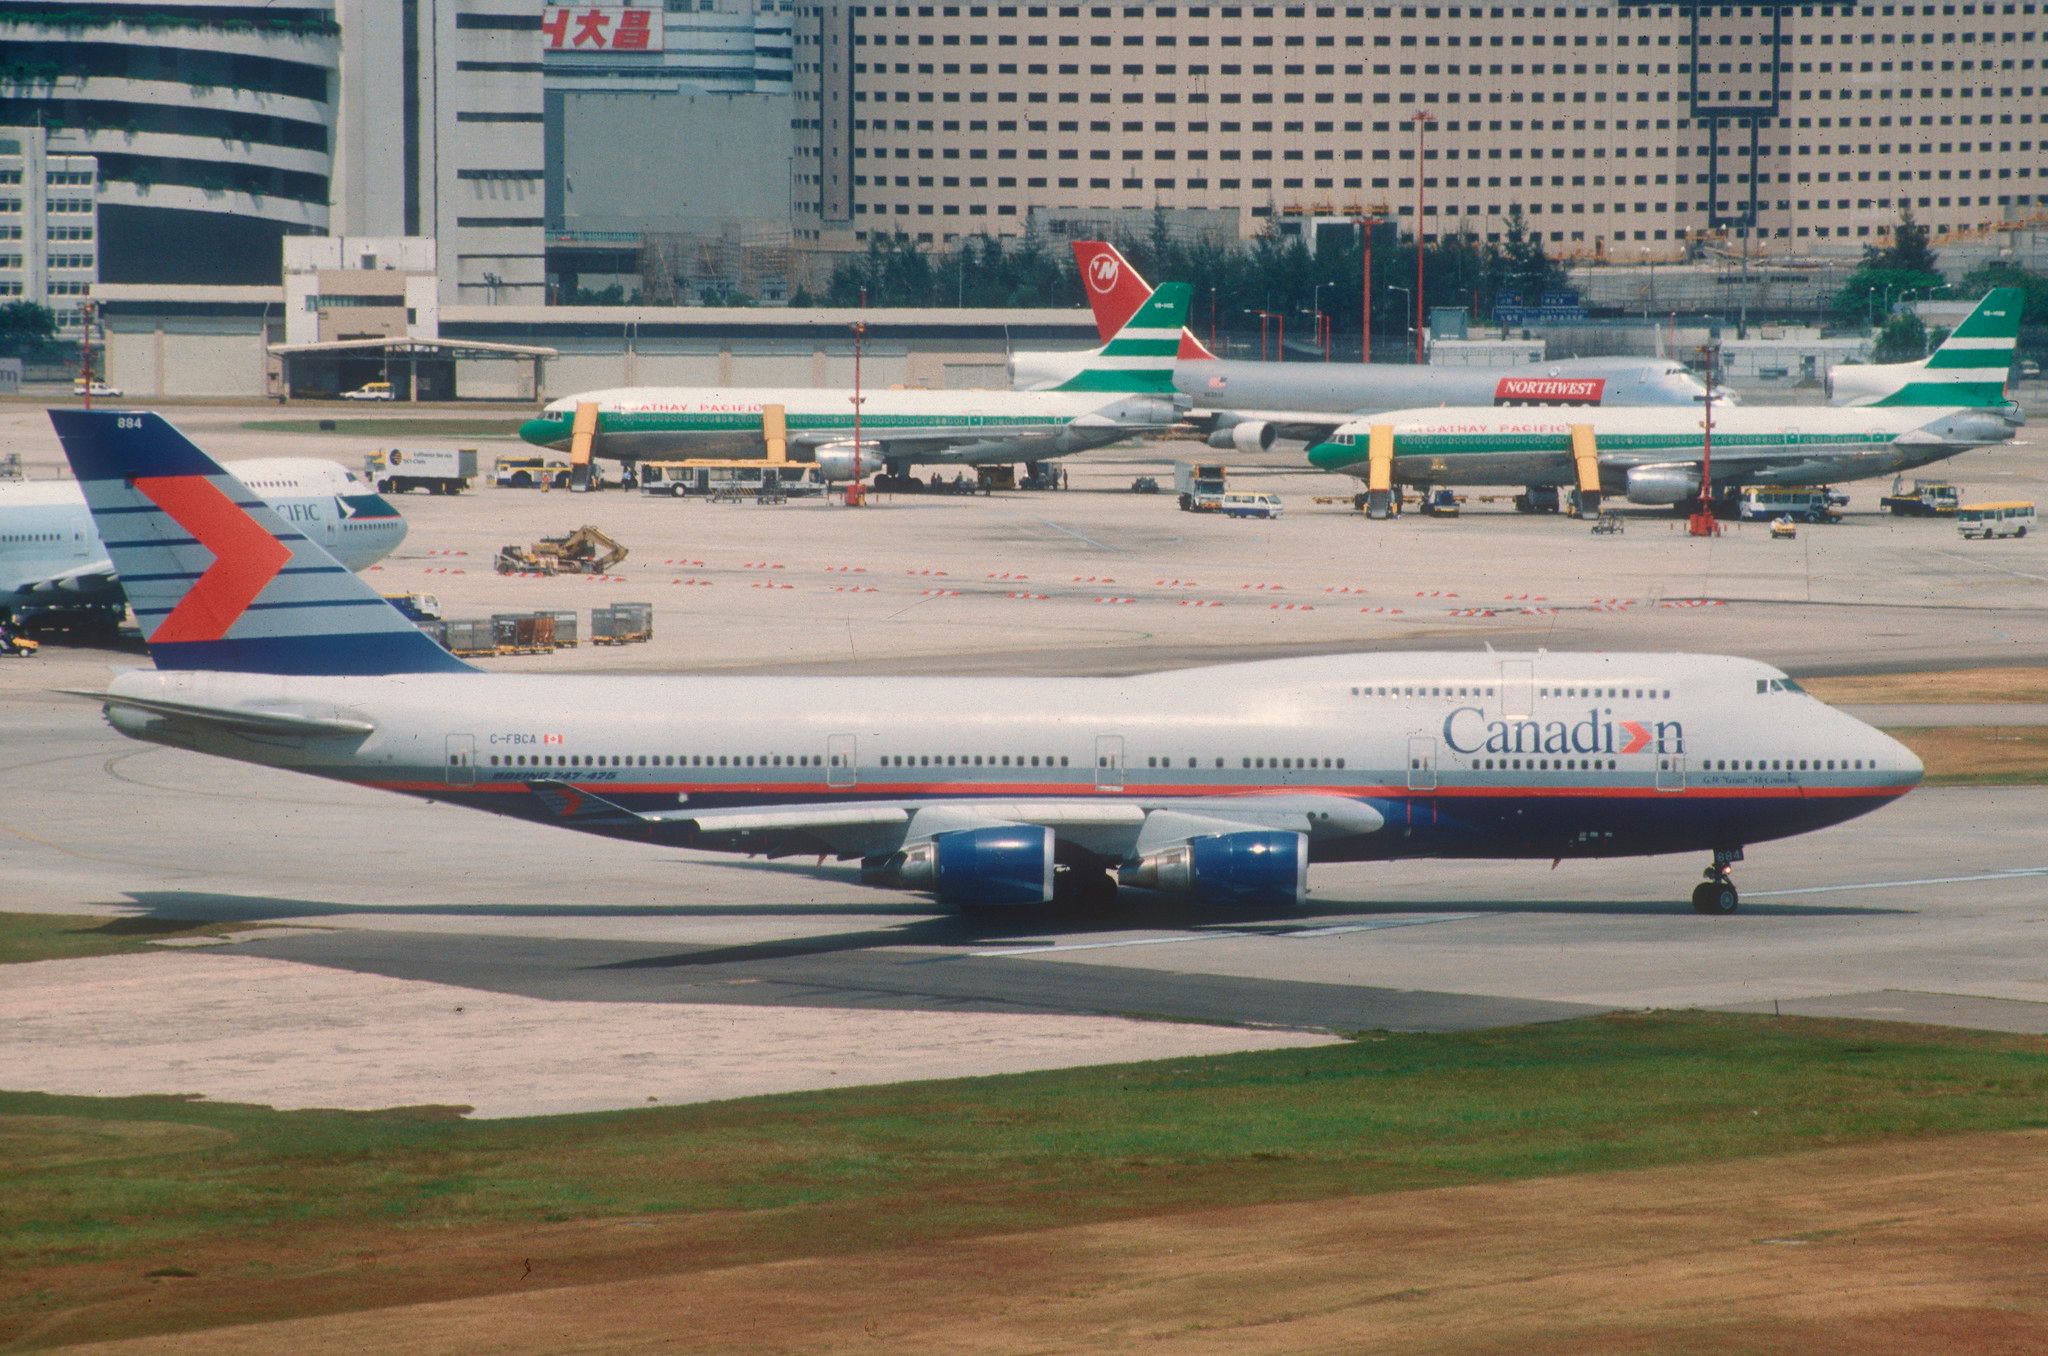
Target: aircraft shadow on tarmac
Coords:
[[921, 927]]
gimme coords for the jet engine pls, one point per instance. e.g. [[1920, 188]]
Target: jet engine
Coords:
[[835, 461], [1663, 484], [1256, 867], [1000, 864], [1246, 435]]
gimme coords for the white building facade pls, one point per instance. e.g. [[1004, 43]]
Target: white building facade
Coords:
[[49, 226], [440, 136]]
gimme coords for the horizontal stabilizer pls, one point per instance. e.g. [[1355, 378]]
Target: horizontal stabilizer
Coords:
[[242, 719]]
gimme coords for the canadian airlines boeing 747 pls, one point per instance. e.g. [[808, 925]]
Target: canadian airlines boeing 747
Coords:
[[1221, 784]]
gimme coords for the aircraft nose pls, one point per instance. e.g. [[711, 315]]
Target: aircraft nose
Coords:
[[1901, 763], [541, 432]]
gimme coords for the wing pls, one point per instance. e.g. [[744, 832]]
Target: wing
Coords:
[[1109, 830], [1302, 426]]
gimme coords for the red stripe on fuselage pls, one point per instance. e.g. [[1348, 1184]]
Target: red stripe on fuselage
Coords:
[[245, 557], [813, 791]]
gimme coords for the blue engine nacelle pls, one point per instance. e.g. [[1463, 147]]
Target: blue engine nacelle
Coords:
[[1001, 864], [1256, 867]]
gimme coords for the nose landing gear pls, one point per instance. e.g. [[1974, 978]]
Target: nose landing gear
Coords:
[[1716, 894]]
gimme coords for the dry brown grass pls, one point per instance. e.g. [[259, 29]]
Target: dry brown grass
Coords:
[[1980, 755], [1910, 1246], [2013, 684]]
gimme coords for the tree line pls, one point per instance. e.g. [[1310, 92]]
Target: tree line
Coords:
[[1234, 281]]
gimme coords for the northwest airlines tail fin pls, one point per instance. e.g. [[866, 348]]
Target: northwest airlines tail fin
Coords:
[[1141, 356], [217, 578], [1115, 292], [1972, 364]]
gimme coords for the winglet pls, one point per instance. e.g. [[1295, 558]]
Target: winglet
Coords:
[[217, 578]]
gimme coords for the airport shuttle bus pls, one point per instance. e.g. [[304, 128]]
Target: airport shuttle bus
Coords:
[[1994, 520], [1223, 784], [701, 477]]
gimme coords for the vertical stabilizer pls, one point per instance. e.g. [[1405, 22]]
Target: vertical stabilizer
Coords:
[[1971, 365], [1141, 355], [217, 578]]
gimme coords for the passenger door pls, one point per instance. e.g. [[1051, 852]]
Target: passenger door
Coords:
[[1109, 762], [841, 767], [461, 760], [1517, 689], [1421, 763]]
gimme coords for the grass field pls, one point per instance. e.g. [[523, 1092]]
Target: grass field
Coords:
[[56, 936], [2008, 684], [143, 1215], [1980, 755]]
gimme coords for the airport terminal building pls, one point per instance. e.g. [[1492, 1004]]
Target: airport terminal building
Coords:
[[1621, 130]]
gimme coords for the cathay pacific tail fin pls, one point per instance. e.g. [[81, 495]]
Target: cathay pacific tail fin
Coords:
[[1971, 365], [1141, 356], [217, 579]]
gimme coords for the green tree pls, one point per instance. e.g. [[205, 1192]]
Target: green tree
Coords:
[[27, 330], [1903, 340], [1889, 272], [2000, 274]]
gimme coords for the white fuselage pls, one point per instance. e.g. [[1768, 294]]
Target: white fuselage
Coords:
[[1415, 754], [1778, 445], [900, 427], [52, 556]]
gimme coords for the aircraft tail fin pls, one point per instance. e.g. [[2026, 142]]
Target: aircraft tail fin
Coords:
[[1971, 365], [1141, 356], [1115, 289], [1115, 292], [218, 579]]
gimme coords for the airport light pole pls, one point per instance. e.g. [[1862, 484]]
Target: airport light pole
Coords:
[[1703, 523], [853, 490], [1316, 306], [1423, 121], [1365, 225], [85, 349]]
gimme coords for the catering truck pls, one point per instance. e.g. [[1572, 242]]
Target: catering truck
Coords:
[[437, 470]]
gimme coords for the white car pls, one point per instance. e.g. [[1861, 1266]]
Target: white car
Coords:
[[1246, 504], [376, 390], [99, 390]]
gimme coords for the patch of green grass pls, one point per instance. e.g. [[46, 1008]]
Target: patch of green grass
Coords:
[[395, 427], [118, 1179], [57, 936]]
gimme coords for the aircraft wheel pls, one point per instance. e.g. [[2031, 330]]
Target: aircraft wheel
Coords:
[[1715, 897]]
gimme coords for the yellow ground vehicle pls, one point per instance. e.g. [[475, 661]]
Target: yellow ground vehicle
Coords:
[[2008, 519], [587, 550], [521, 473]]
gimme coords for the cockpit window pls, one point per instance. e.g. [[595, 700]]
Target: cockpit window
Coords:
[[1778, 685]]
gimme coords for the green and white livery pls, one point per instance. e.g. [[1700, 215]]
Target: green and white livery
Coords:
[[1970, 367], [1652, 455], [1126, 388]]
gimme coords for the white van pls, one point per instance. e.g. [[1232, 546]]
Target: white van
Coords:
[[1246, 504]]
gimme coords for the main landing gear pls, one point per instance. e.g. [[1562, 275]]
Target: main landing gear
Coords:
[[1716, 894]]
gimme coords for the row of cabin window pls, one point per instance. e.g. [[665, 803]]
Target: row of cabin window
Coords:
[[970, 760], [657, 760], [1249, 762], [1537, 764], [1486, 693], [1789, 764]]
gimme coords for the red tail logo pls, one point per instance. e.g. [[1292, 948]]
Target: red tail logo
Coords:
[[1102, 273], [245, 557]]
